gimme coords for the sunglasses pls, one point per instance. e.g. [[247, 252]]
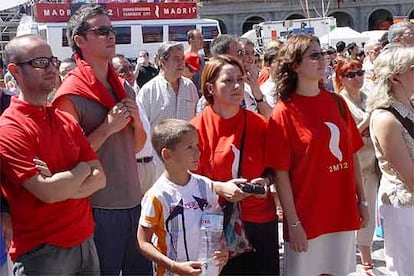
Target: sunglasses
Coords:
[[317, 55], [42, 62], [103, 30], [352, 75]]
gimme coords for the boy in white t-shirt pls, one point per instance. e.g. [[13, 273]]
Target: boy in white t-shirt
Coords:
[[169, 227]]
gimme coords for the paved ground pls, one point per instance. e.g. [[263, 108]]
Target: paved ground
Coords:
[[377, 257]]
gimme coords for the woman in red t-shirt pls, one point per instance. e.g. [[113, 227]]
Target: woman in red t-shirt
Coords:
[[312, 143], [221, 127]]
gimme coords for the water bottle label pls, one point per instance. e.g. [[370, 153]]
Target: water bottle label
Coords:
[[211, 221]]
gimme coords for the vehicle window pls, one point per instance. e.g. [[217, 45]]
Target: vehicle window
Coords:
[[123, 35], [209, 32], [43, 34], [152, 34], [65, 42], [179, 33]]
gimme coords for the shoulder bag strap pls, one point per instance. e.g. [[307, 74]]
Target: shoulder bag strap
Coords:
[[407, 123]]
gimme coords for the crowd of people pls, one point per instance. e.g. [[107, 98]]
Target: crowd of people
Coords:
[[107, 168]]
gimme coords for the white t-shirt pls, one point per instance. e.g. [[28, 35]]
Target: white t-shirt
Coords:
[[174, 213], [268, 89]]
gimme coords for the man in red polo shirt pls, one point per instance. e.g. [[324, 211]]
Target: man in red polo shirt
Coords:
[[52, 218]]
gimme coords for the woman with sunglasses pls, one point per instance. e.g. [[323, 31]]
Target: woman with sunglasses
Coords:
[[349, 80], [392, 133], [312, 142]]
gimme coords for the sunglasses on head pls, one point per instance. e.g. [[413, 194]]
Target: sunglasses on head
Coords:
[[352, 75], [42, 62], [317, 55], [102, 30]]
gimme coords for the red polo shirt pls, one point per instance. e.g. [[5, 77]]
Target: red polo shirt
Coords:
[[26, 132]]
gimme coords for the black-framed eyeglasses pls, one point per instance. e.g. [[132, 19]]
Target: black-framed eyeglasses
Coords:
[[317, 55], [42, 62], [102, 30], [352, 75]]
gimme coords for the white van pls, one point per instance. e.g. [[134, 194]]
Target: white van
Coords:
[[133, 36]]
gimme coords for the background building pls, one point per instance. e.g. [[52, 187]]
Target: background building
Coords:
[[238, 16]]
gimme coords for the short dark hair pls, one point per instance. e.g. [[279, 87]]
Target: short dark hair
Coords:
[[269, 55], [168, 133], [191, 34], [78, 23], [340, 46], [221, 44]]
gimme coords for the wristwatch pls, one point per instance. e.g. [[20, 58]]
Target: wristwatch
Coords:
[[363, 203]]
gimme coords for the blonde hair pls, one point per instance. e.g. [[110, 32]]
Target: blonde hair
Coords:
[[388, 64]]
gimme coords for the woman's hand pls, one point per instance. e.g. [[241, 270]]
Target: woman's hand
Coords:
[[298, 240], [263, 182], [230, 189]]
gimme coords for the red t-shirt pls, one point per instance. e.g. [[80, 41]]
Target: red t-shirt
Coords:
[[219, 142], [263, 76], [27, 131], [308, 137]]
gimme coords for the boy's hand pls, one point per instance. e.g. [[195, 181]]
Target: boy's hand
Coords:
[[187, 268], [221, 258]]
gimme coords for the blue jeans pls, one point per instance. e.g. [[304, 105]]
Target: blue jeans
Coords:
[[116, 242]]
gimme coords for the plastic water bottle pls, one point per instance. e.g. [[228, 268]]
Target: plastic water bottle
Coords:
[[211, 239]]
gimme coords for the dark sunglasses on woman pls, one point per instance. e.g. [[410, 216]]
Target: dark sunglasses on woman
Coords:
[[352, 75]]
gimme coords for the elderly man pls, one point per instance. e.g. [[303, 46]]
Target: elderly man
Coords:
[[403, 33], [372, 50], [48, 170], [109, 116], [169, 95]]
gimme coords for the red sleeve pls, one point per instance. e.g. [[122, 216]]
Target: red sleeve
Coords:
[[16, 155], [278, 146]]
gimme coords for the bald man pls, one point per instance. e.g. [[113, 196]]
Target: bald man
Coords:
[[48, 171]]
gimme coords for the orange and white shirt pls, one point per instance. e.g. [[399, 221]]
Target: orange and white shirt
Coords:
[[174, 213]]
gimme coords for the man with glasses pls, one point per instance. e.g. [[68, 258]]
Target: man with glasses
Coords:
[[146, 165], [253, 96], [109, 116], [48, 170]]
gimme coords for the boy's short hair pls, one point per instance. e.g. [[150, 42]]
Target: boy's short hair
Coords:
[[168, 133]]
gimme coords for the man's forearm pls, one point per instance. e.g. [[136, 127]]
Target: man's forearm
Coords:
[[60, 186], [94, 182]]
